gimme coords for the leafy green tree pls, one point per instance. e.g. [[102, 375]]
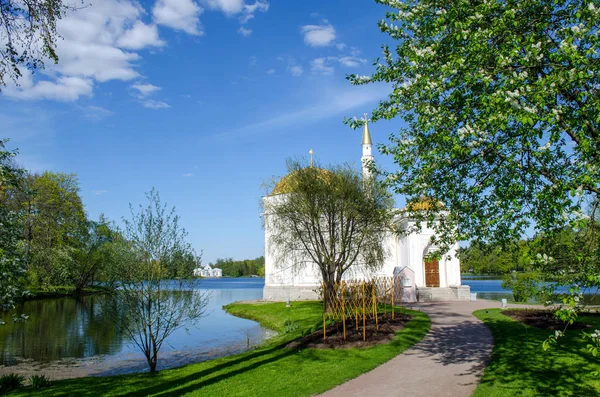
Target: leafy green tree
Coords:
[[246, 267], [500, 107], [332, 218], [93, 254], [56, 227], [28, 35], [11, 265], [156, 305], [482, 258]]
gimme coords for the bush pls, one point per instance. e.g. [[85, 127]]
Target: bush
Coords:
[[10, 382], [39, 381], [523, 285]]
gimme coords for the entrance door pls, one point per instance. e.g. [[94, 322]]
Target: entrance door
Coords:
[[432, 273]]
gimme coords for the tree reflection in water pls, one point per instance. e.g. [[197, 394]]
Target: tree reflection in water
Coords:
[[63, 328]]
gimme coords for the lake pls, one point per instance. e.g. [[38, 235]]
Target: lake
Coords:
[[490, 287], [69, 337]]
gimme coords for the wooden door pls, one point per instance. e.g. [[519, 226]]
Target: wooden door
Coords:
[[432, 273]]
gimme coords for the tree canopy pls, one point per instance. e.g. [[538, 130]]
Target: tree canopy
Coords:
[[246, 267], [501, 109], [28, 34], [332, 218]]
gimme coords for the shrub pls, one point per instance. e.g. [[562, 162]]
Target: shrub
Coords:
[[39, 381], [11, 382], [523, 285]]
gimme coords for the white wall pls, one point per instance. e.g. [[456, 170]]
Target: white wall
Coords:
[[402, 251]]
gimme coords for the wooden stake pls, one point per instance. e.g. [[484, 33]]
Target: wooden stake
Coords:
[[364, 313], [375, 308], [324, 328], [393, 293], [343, 311]]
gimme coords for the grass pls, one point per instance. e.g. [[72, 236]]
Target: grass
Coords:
[[520, 367], [271, 370]]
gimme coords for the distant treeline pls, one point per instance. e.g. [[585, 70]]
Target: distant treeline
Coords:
[[495, 259], [246, 267]]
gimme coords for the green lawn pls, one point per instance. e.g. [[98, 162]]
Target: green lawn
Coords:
[[520, 367], [272, 370]]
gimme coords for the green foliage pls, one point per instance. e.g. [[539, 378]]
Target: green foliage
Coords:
[[11, 382], [11, 263], [155, 250], [500, 107], [523, 285], [29, 35], [479, 258], [39, 381], [330, 217], [246, 267]]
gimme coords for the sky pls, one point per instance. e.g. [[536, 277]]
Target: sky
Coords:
[[203, 100]]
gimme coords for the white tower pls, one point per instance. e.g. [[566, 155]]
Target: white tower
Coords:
[[367, 147]]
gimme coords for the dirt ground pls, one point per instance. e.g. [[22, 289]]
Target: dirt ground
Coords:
[[540, 318], [382, 332]]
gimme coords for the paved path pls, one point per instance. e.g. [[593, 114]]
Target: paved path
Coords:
[[447, 362]]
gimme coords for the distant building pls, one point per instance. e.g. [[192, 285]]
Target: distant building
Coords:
[[207, 271]]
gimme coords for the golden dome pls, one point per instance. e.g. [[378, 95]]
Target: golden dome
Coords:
[[423, 204], [288, 182]]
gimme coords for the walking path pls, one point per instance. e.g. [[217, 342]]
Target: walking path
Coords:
[[447, 362]]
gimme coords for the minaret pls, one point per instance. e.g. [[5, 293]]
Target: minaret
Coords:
[[367, 155]]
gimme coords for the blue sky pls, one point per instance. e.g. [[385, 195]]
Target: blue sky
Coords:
[[201, 99]]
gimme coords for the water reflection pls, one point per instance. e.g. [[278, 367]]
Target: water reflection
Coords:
[[62, 327], [83, 331]]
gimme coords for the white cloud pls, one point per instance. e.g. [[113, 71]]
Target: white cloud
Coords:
[[296, 70], [66, 89], [318, 35], [270, 71], [228, 7], [152, 104], [320, 65], [329, 102], [340, 46], [250, 9], [99, 192], [244, 32], [145, 89], [324, 65], [351, 61], [187, 175], [178, 14], [95, 113], [234, 7], [98, 44], [252, 61], [140, 36]]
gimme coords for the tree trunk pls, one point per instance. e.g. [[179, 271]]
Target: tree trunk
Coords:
[[328, 295]]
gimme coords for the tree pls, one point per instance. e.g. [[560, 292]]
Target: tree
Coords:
[[11, 266], [246, 267], [28, 34], [94, 254], [332, 218], [56, 227], [152, 251], [501, 109]]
